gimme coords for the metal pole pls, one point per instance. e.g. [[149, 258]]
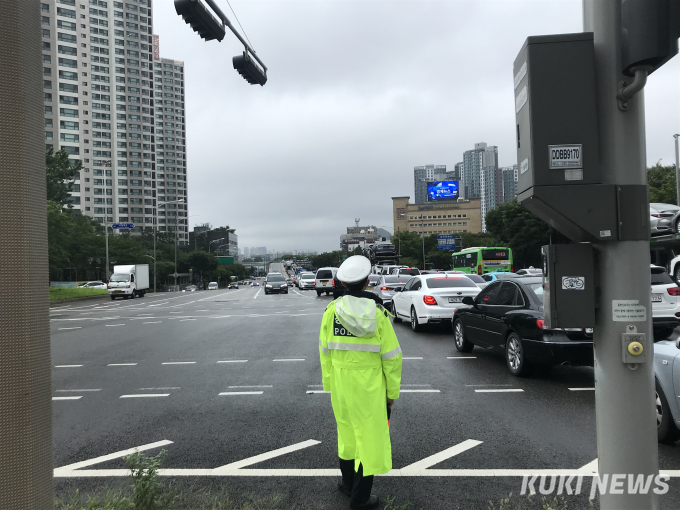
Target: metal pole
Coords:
[[677, 170], [106, 238], [25, 380], [154, 249], [624, 399], [175, 252]]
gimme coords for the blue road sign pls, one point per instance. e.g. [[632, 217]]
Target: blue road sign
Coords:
[[446, 242], [123, 225]]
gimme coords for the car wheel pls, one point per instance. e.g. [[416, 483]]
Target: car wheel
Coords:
[[396, 318], [415, 326], [663, 334], [666, 429], [514, 356], [318, 293], [328, 293], [113, 298], [462, 344]]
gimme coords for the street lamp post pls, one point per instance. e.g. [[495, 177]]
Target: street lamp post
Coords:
[[155, 222], [677, 170]]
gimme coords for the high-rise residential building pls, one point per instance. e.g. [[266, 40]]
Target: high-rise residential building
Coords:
[[482, 178], [509, 183], [101, 83], [428, 173], [458, 171]]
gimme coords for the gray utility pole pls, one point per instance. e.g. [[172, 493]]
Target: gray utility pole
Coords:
[[677, 171], [25, 385], [106, 240], [624, 398]]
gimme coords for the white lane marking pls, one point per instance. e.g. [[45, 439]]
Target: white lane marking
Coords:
[[508, 390], [184, 320], [202, 310], [145, 395], [225, 393], [78, 391], [121, 364], [113, 325], [67, 366], [67, 398], [591, 468], [478, 385], [414, 385], [174, 312], [233, 361], [314, 392], [154, 322], [412, 357], [581, 389], [85, 463], [228, 468], [420, 391], [430, 461], [461, 357], [143, 314], [178, 363], [289, 359], [261, 386], [77, 327], [166, 388], [258, 293]]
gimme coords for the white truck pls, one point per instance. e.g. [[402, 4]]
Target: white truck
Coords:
[[129, 281]]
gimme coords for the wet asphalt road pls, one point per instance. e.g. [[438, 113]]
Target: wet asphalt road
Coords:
[[225, 376]]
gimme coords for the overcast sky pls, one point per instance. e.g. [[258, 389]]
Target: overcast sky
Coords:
[[359, 93]]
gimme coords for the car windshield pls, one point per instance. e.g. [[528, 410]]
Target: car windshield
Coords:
[[660, 276], [120, 277], [373, 278], [275, 278], [537, 287], [442, 282], [475, 278], [395, 279], [324, 273], [411, 272], [307, 276]]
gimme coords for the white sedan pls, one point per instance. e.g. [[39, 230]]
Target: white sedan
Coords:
[[93, 285], [431, 298]]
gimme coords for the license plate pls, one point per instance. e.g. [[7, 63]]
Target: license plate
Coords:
[[657, 298], [455, 300]]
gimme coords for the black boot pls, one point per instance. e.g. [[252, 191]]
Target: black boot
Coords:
[[343, 488], [373, 502]]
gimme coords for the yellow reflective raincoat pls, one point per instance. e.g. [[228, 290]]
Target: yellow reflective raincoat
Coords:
[[361, 367]]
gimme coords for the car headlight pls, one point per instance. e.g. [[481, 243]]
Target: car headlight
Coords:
[[284, 285], [269, 286]]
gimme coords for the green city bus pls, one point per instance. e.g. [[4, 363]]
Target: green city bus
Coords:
[[483, 260]]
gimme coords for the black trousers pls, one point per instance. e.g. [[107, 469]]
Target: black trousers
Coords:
[[359, 485]]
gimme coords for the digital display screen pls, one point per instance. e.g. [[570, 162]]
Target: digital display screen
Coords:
[[439, 190]]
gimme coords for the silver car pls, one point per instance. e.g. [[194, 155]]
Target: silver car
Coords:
[[386, 285], [306, 281], [663, 218], [667, 378]]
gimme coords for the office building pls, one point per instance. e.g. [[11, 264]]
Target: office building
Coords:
[[105, 87], [482, 178], [458, 172], [437, 217], [509, 183], [362, 236], [428, 173]]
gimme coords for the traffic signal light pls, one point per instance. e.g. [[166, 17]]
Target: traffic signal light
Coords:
[[250, 69], [196, 14]]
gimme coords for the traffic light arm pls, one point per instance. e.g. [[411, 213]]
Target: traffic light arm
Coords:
[[225, 20]]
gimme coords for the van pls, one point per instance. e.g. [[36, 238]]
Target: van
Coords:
[[323, 282]]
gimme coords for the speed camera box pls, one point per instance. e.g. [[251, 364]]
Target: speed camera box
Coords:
[[555, 111], [568, 286]]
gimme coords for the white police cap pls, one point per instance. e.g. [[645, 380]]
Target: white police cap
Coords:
[[355, 269]]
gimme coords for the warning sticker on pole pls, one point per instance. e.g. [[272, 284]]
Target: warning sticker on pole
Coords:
[[628, 310], [565, 156]]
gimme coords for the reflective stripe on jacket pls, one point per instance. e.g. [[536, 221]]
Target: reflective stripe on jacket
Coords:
[[361, 367]]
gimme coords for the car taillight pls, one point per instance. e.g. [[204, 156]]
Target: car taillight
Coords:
[[541, 324], [479, 270], [512, 268], [314, 282], [383, 288], [674, 291], [429, 300]]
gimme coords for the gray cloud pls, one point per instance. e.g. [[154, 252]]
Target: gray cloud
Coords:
[[358, 94]]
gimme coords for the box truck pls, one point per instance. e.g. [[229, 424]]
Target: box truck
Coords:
[[129, 281]]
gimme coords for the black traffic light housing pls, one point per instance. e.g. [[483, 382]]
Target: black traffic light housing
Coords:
[[649, 33], [250, 69], [196, 14]]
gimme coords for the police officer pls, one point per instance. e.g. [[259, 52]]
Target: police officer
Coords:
[[361, 367]]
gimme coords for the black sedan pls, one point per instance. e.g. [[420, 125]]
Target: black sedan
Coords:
[[507, 317]]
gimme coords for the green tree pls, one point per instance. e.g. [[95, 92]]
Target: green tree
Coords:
[[661, 181], [517, 228], [60, 176]]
